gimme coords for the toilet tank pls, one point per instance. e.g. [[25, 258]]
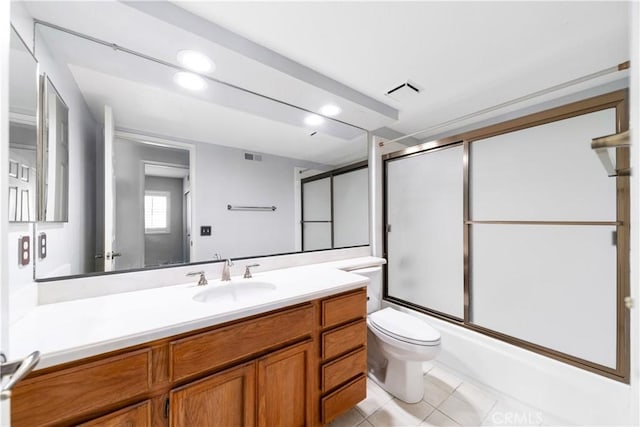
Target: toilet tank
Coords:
[[374, 288]]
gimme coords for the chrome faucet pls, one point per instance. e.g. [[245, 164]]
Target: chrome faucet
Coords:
[[226, 275], [202, 281], [247, 272]]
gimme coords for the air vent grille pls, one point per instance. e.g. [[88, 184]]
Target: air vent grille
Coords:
[[253, 157], [404, 91]]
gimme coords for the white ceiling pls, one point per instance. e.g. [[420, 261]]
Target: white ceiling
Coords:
[[467, 56], [119, 23], [165, 112], [144, 97]]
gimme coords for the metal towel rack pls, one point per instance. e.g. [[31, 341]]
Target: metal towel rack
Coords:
[[251, 208], [605, 149]]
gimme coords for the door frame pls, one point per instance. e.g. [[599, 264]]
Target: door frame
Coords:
[[183, 192], [172, 143]]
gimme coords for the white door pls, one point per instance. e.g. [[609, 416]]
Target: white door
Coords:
[[109, 192]]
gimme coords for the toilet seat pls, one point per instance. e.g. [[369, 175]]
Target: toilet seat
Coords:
[[404, 327]]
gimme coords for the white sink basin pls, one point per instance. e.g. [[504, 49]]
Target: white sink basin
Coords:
[[235, 292]]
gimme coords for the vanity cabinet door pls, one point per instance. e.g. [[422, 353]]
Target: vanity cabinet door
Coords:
[[133, 416], [284, 387], [226, 399]]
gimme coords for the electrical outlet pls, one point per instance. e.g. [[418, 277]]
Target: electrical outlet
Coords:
[[205, 230], [25, 250], [42, 245]]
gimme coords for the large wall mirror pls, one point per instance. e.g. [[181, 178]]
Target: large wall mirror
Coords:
[[162, 175], [23, 131]]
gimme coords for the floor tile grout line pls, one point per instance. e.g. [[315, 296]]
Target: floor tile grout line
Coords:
[[495, 403]]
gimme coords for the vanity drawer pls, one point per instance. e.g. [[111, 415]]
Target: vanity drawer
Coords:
[[343, 399], [344, 369], [133, 416], [344, 339], [344, 308], [209, 350], [71, 393]]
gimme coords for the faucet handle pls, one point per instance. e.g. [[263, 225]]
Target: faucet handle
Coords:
[[229, 262], [195, 273], [203, 280], [247, 272]]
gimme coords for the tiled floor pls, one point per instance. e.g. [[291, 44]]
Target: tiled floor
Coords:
[[448, 401]]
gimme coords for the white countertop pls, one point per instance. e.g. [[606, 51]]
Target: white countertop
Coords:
[[73, 330]]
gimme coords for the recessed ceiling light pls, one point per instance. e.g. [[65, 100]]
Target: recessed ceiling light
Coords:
[[196, 61], [330, 110], [313, 120], [189, 80]]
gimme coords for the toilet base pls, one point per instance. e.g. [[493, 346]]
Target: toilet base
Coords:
[[402, 379]]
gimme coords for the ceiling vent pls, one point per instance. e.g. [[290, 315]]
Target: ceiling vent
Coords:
[[253, 157], [405, 91]]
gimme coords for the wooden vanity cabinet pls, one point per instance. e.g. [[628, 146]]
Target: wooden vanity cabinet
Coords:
[[58, 397], [224, 399], [343, 353], [271, 391], [284, 389], [133, 416], [282, 368]]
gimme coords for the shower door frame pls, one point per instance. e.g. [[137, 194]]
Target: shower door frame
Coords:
[[329, 174], [617, 100]]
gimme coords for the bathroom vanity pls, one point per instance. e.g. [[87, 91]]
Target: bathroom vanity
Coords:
[[300, 364]]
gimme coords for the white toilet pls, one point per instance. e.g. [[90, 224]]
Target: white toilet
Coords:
[[397, 344]]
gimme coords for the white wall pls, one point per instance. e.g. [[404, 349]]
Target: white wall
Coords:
[[635, 212], [19, 277], [4, 193], [4, 156], [224, 177]]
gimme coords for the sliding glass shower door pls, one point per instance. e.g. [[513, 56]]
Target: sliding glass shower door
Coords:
[[518, 232], [425, 230], [542, 227]]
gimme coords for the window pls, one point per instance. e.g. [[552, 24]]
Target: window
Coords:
[[156, 212]]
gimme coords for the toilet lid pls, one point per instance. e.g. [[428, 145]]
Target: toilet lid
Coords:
[[404, 327]]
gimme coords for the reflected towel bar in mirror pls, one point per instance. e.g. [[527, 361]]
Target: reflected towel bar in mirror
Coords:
[[251, 208]]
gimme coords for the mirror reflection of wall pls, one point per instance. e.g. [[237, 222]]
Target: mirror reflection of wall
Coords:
[[23, 135], [23, 131], [238, 148]]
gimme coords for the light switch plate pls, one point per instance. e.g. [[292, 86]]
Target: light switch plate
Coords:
[[24, 250], [42, 245]]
